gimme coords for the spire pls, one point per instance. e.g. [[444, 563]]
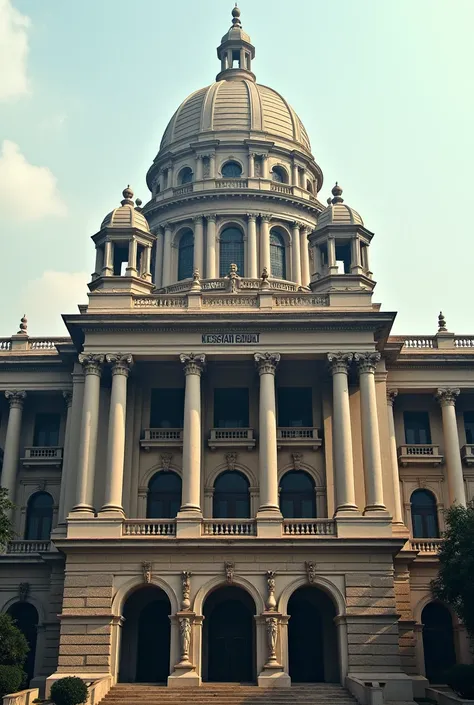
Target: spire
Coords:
[[337, 194], [236, 52], [236, 17], [127, 194]]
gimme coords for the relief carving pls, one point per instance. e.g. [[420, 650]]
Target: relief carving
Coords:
[[229, 567]]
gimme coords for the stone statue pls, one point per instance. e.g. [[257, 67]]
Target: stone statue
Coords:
[[185, 634], [186, 590], [271, 601], [272, 636]]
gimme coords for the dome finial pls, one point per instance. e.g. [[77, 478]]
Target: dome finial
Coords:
[[236, 17], [127, 194], [337, 193], [23, 329], [442, 323]]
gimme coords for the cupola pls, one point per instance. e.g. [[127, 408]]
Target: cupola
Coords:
[[235, 52]]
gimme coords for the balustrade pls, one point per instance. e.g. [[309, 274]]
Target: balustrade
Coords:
[[20, 546], [235, 437], [309, 527], [467, 454], [426, 545], [158, 437], [421, 453], [149, 527], [299, 436], [42, 455], [229, 527]]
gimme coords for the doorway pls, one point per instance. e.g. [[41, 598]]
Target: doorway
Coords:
[[312, 637], [26, 617], [229, 636], [438, 641]]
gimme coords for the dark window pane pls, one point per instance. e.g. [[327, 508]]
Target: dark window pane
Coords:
[[232, 170], [164, 495], [469, 426], [295, 406], [277, 256], [231, 251], [231, 496], [185, 175], [186, 256], [417, 427], [46, 430], [167, 408], [231, 408], [424, 515], [39, 517], [297, 495]]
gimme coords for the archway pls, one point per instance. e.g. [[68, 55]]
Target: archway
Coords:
[[145, 653], [438, 641], [229, 636], [26, 617], [312, 637]]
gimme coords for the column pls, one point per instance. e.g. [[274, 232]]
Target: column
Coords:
[[199, 167], [146, 273], [193, 368], [121, 365], [159, 259], [342, 434], [161, 177], [267, 364], [70, 452], [305, 276], [447, 400], [397, 500], [251, 165], [265, 243], [108, 268], [65, 474], [11, 453], [199, 245], [295, 174], [212, 165], [264, 166], [356, 267], [211, 247], [166, 281], [367, 363], [252, 270], [131, 270], [332, 266], [92, 365], [295, 253]]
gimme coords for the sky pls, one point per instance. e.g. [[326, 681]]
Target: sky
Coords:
[[384, 88]]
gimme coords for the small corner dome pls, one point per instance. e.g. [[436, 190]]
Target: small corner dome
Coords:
[[337, 212], [127, 215]]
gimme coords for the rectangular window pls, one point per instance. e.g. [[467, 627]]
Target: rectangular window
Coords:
[[417, 427], [167, 408], [46, 430], [469, 426], [231, 408], [295, 407]]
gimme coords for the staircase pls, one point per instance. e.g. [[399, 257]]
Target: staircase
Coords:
[[229, 694]]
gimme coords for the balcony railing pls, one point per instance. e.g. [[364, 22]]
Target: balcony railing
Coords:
[[467, 454], [161, 437], [229, 527], [299, 436], [43, 455], [231, 437], [28, 546], [149, 527], [419, 454], [309, 527], [426, 545]]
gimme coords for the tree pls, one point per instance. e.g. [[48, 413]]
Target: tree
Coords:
[[6, 528], [13, 644], [455, 582]]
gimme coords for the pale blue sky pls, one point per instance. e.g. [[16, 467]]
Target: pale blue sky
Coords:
[[384, 88]]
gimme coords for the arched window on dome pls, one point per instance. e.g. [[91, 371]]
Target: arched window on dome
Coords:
[[280, 175], [277, 255], [297, 495], [424, 515], [185, 176], [309, 186], [186, 255], [231, 251], [164, 495], [231, 170], [39, 517], [231, 496]]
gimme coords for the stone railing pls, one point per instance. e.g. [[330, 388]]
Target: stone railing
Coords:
[[463, 342], [229, 527], [157, 437], [26, 546], [220, 437], [165, 302], [5, 344], [296, 436], [281, 188], [22, 697], [414, 342], [426, 342], [232, 183], [309, 527], [425, 453], [426, 545], [42, 455], [230, 300], [467, 454], [301, 300], [24, 342], [183, 190], [149, 527]]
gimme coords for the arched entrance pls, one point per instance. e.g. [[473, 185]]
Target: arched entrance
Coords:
[[312, 637], [145, 653], [229, 636], [438, 641], [26, 617]]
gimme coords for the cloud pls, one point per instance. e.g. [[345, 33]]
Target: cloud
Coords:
[[27, 192], [46, 298], [13, 51]]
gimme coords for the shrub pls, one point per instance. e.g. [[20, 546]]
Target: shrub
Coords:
[[13, 644], [461, 679], [11, 679], [69, 691]]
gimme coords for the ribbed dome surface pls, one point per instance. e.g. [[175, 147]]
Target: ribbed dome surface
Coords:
[[338, 214], [126, 216], [236, 105]]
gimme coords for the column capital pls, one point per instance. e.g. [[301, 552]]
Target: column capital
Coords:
[[211, 218], [296, 224], [266, 217], [67, 396], [339, 362], [15, 398], [252, 217], [267, 362], [197, 219], [193, 364], [121, 363], [92, 364], [447, 396], [391, 396], [367, 361]]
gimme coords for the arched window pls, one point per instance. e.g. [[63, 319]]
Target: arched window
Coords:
[[231, 170], [277, 255], [164, 495], [424, 515], [186, 256], [231, 251], [279, 174], [438, 641], [39, 517], [309, 186], [297, 495], [231, 496], [185, 176]]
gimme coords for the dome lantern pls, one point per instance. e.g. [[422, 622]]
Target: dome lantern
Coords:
[[236, 52]]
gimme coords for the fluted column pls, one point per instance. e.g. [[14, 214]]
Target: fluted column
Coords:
[[264, 166], [252, 246], [251, 165], [92, 365], [265, 243], [267, 364], [305, 275], [397, 500], [447, 400], [193, 368], [166, 277], [211, 247], [342, 433], [296, 253], [212, 165], [199, 245], [295, 175], [11, 453], [367, 363], [199, 169], [121, 365], [65, 474]]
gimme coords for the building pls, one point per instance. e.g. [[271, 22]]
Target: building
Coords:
[[230, 470]]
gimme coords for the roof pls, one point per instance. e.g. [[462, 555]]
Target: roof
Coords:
[[127, 215]]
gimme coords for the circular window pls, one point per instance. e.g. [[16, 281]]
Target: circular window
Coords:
[[279, 174], [232, 170]]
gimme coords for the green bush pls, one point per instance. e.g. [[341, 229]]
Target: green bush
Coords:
[[461, 679], [13, 644], [11, 679], [69, 691]]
